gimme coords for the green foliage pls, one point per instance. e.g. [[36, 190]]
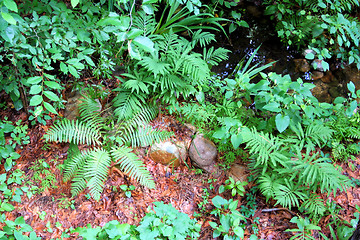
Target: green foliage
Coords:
[[304, 230], [163, 223], [229, 217], [325, 27], [17, 138], [127, 189], [17, 229], [89, 168], [111, 230], [235, 187], [42, 175]]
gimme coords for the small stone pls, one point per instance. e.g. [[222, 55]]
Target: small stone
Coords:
[[169, 153], [238, 173], [203, 153], [315, 75], [301, 65], [329, 77]]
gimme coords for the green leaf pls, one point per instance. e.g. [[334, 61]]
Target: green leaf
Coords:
[[272, 107], [310, 56], [35, 89], [239, 231], [34, 80], [53, 85], [144, 43], [7, 17], [282, 122], [351, 87], [36, 100], [52, 96], [63, 68], [6, 207], [11, 5], [73, 71], [50, 108], [236, 140], [74, 3], [133, 51]]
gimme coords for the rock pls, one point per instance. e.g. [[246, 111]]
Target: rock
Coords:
[[191, 127], [203, 154], [315, 75], [329, 77], [301, 65], [308, 51], [238, 173], [352, 74], [334, 92], [169, 153], [72, 107], [321, 91]]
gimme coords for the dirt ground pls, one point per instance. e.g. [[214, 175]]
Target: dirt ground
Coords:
[[183, 187]]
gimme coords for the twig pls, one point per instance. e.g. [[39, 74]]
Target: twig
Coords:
[[277, 209]]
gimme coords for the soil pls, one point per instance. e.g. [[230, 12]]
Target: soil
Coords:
[[183, 187]]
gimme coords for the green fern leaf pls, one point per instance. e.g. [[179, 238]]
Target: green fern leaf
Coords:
[[215, 56], [90, 110], [145, 136], [131, 164], [314, 205], [126, 103], [289, 194], [73, 131], [75, 163], [96, 171]]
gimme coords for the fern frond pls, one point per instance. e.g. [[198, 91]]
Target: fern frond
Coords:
[[267, 148], [96, 171], [289, 194], [204, 38], [317, 172], [78, 184], [215, 56], [314, 205], [268, 184], [155, 65], [126, 103], [144, 22], [73, 131], [90, 110], [196, 67], [131, 164], [145, 136], [75, 163]]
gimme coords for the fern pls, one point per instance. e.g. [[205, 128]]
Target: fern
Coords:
[[126, 103], [74, 131], [289, 194], [215, 56], [89, 168], [95, 171], [130, 163], [267, 148], [204, 38], [314, 205]]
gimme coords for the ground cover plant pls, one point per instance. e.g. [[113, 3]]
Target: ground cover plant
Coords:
[[297, 148]]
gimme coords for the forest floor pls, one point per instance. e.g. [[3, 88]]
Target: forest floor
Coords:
[[53, 210]]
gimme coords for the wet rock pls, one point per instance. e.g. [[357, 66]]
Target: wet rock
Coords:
[[321, 91], [301, 65], [169, 153], [315, 75], [334, 92], [328, 78], [351, 73], [191, 127], [203, 154], [72, 106], [238, 173]]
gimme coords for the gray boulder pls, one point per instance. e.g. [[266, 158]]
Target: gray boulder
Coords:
[[203, 154]]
